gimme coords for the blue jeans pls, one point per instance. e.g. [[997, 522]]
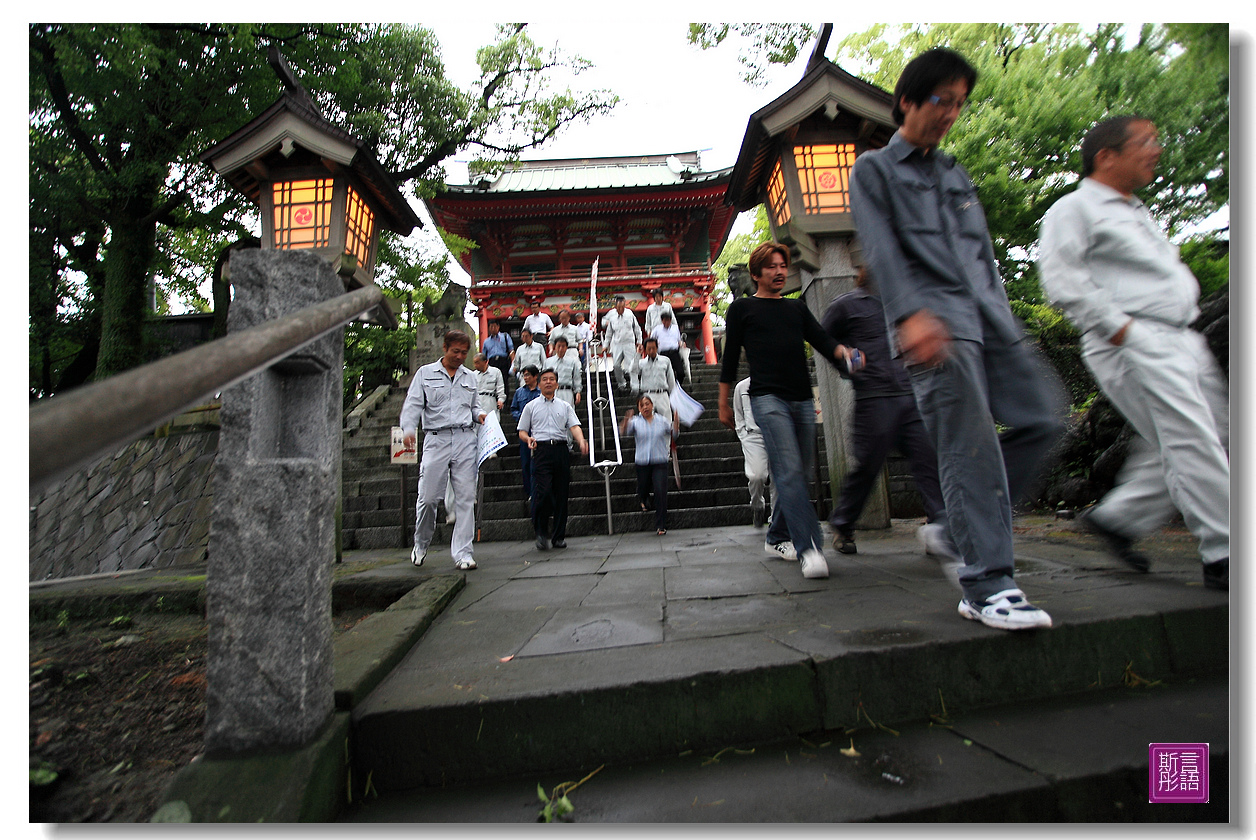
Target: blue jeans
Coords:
[[789, 436], [984, 472]]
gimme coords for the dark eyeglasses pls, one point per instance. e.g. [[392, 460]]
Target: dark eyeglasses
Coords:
[[947, 103]]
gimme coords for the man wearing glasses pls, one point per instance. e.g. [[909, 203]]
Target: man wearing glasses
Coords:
[[925, 239], [1106, 263]]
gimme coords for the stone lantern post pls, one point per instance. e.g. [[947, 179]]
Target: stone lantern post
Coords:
[[796, 158], [323, 199]]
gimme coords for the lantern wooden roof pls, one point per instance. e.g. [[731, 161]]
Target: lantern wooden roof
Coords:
[[826, 95], [293, 130]]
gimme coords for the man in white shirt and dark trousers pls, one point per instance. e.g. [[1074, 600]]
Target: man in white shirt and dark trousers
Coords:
[[622, 334], [544, 426], [1106, 263], [539, 323], [669, 338], [443, 398]]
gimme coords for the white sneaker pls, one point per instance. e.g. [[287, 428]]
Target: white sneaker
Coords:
[[782, 550], [813, 565], [1006, 610], [936, 541], [416, 556], [462, 564]]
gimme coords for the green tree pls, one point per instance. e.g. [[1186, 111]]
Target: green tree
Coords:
[[1040, 87], [737, 250], [119, 113]]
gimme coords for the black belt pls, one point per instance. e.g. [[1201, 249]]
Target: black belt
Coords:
[[488, 393], [448, 429], [551, 443]]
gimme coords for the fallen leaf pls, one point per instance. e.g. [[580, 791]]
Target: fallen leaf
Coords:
[[851, 752]]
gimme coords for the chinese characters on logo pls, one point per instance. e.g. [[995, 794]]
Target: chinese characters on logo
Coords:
[[1177, 773]]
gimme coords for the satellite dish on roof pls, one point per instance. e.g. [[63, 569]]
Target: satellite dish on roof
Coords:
[[674, 164]]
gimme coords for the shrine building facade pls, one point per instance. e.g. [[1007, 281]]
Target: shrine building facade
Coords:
[[651, 222]]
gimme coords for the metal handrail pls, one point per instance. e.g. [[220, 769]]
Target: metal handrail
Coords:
[[604, 403], [70, 431]]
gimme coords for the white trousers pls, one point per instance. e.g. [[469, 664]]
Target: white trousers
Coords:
[[757, 473], [624, 355], [1166, 383], [447, 457]]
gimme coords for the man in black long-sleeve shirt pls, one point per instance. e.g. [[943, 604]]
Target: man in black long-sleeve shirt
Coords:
[[772, 329], [885, 416]]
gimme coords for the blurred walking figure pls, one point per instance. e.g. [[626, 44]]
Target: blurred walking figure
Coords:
[[525, 394], [658, 378], [885, 416], [622, 334], [756, 457], [927, 246], [653, 436], [1106, 263]]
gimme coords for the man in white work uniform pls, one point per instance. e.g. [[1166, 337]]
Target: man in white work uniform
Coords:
[[622, 334], [443, 398]]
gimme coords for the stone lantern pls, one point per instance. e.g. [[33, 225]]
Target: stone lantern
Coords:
[[317, 186], [796, 159]]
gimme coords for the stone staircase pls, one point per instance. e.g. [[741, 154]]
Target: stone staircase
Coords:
[[713, 485]]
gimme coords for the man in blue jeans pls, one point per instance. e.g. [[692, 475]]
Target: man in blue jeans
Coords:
[[772, 329], [925, 241]]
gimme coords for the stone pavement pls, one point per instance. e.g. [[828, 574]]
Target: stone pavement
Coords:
[[629, 649]]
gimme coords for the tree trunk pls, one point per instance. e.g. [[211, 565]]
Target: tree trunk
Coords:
[[128, 261]]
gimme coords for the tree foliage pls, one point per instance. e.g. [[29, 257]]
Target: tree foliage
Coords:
[[737, 250], [1040, 88], [122, 212]]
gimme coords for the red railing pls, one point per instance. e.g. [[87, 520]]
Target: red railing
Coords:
[[617, 273]]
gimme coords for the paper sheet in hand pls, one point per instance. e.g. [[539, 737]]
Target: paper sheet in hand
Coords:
[[489, 437], [400, 454], [686, 407]]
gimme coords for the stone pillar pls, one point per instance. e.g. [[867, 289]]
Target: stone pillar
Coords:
[[836, 276], [272, 536]]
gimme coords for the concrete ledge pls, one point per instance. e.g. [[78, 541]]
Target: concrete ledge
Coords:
[[368, 652], [307, 784]]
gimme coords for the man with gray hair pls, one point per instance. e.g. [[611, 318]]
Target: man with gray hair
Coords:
[[491, 386], [1107, 264]]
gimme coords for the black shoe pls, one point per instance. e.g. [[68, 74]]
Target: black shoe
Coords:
[[760, 513], [1217, 574], [559, 544], [542, 543], [845, 543], [1121, 546]]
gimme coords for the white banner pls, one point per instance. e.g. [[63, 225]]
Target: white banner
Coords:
[[489, 437], [593, 298]]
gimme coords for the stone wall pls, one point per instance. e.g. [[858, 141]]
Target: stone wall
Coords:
[[146, 506]]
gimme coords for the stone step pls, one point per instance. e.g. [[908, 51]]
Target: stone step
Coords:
[[638, 648]]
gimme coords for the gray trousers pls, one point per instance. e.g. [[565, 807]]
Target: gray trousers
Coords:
[[983, 473], [1166, 383], [447, 456]]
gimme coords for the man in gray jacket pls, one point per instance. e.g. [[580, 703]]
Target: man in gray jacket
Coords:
[[1105, 262], [925, 240]]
